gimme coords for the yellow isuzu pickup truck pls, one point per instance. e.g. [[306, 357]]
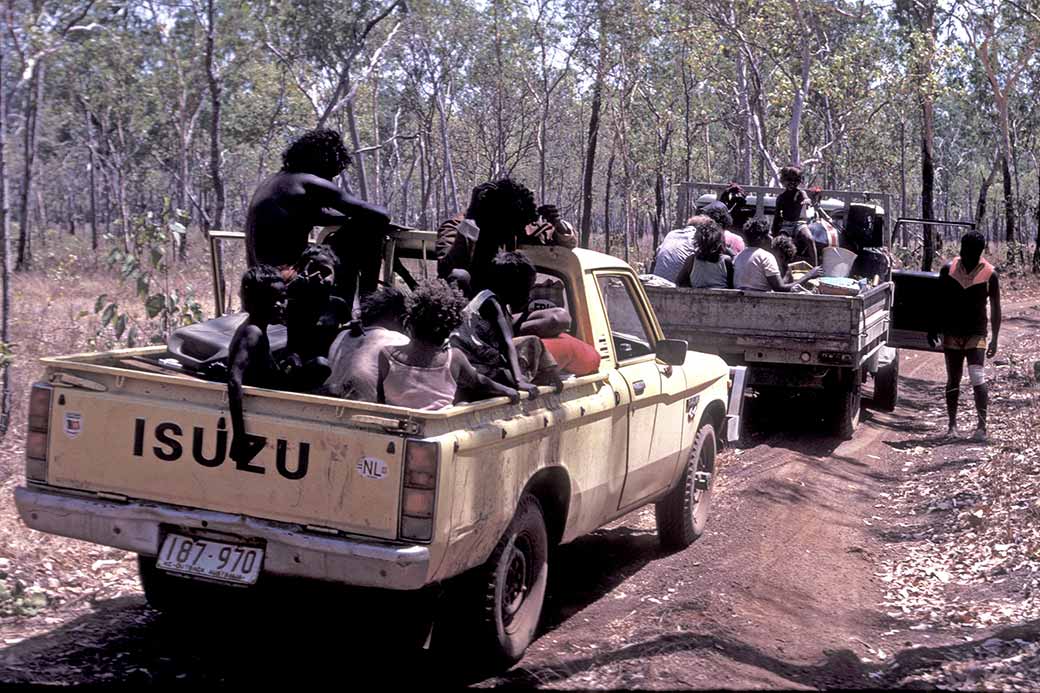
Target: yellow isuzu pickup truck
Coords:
[[128, 455]]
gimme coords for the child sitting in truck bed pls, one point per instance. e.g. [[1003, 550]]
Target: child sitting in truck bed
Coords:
[[756, 268], [428, 373], [488, 328], [354, 357]]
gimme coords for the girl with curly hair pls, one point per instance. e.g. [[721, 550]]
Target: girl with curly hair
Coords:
[[290, 203], [712, 266], [428, 373]]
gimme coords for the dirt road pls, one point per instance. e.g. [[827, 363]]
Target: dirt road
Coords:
[[781, 592]]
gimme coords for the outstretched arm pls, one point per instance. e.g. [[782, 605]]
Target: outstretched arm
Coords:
[[470, 380], [994, 314], [778, 284], [330, 195], [384, 368], [936, 316], [505, 330], [242, 350]]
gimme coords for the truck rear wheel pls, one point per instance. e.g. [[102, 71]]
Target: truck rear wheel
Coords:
[[683, 513], [886, 385], [847, 412], [514, 580]]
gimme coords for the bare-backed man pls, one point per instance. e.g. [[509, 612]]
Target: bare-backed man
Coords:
[[289, 204]]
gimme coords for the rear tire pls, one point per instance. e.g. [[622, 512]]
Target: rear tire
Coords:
[[683, 513], [514, 580], [848, 412], [886, 385]]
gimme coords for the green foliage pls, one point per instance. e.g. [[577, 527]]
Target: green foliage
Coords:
[[158, 238]]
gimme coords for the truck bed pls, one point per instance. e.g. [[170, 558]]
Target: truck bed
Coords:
[[768, 327], [131, 431]]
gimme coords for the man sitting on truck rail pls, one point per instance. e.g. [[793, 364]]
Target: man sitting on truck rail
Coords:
[[249, 356], [966, 283], [354, 357], [302, 195], [756, 268], [675, 255]]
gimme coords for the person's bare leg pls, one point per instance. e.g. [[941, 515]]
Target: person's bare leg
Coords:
[[977, 375], [954, 372]]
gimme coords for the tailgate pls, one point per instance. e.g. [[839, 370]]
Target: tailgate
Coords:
[[319, 474]]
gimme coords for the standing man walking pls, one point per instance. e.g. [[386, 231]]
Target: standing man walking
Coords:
[[966, 283]]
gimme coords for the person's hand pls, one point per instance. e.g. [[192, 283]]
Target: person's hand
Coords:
[[529, 388], [513, 395], [991, 350], [239, 449], [549, 213], [933, 340], [814, 273]]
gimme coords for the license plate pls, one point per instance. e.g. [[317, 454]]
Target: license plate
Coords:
[[211, 559]]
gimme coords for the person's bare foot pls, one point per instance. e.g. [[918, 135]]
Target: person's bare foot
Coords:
[[979, 435], [951, 432]]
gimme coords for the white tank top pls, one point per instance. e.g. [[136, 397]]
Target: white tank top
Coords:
[[418, 387]]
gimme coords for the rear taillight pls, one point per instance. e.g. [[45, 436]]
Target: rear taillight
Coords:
[[420, 489], [36, 437]]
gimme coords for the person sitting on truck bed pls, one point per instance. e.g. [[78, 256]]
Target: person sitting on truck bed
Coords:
[[966, 283], [488, 327], [718, 212], [314, 315], [354, 357], [789, 212], [674, 258], [290, 203], [428, 373], [785, 252], [712, 267], [756, 268], [501, 215], [250, 359]]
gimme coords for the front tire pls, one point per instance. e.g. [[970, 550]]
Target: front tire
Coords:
[[683, 514], [514, 580]]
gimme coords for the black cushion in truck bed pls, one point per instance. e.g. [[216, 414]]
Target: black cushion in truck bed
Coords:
[[200, 345]]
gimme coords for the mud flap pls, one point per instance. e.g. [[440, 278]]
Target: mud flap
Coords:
[[738, 383]]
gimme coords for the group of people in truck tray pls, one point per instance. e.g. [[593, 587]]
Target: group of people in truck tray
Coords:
[[485, 327], [713, 252]]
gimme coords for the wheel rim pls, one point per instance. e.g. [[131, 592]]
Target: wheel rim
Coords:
[[704, 464], [518, 579]]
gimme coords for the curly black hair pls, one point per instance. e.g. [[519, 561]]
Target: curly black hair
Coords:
[[433, 310], [384, 302], [503, 204], [512, 275], [256, 285], [785, 248], [755, 230], [320, 252], [710, 241], [791, 173], [320, 152]]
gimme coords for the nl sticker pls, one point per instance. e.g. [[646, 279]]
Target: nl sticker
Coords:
[[372, 468], [73, 423]]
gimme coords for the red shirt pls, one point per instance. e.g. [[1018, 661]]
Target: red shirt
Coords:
[[573, 355]]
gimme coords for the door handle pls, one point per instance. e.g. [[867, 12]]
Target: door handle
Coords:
[[639, 386]]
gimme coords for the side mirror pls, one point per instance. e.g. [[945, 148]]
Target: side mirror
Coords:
[[672, 351]]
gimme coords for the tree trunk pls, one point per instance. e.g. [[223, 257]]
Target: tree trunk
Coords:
[[590, 153], [442, 120], [606, 204], [5, 256], [33, 99], [1009, 211], [902, 175], [216, 92], [92, 182], [798, 106], [980, 207], [927, 179], [1036, 246], [359, 157]]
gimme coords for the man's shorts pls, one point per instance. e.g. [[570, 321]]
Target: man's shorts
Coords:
[[964, 342]]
